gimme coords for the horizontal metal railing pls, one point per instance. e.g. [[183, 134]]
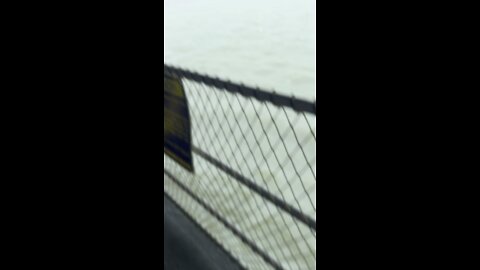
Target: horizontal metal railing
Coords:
[[254, 187]]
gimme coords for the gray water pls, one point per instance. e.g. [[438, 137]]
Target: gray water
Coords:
[[266, 43]]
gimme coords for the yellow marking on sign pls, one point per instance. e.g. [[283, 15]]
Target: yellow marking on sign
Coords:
[[176, 122], [174, 87]]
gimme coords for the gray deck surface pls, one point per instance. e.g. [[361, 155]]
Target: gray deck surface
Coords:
[[186, 246]]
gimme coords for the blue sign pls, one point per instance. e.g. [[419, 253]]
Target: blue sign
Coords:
[[177, 142]]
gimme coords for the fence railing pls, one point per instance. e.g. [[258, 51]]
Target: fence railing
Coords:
[[254, 185]]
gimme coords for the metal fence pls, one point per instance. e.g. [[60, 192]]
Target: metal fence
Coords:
[[254, 188]]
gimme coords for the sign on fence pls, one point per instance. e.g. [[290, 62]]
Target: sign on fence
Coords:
[[176, 123]]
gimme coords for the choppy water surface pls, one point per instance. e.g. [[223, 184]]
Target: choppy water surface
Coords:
[[269, 43]]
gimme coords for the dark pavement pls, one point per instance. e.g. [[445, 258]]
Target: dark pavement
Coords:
[[186, 246]]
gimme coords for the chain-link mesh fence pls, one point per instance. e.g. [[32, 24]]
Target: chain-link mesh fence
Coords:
[[254, 186]]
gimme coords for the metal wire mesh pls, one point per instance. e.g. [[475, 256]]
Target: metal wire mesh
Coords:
[[254, 188]]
